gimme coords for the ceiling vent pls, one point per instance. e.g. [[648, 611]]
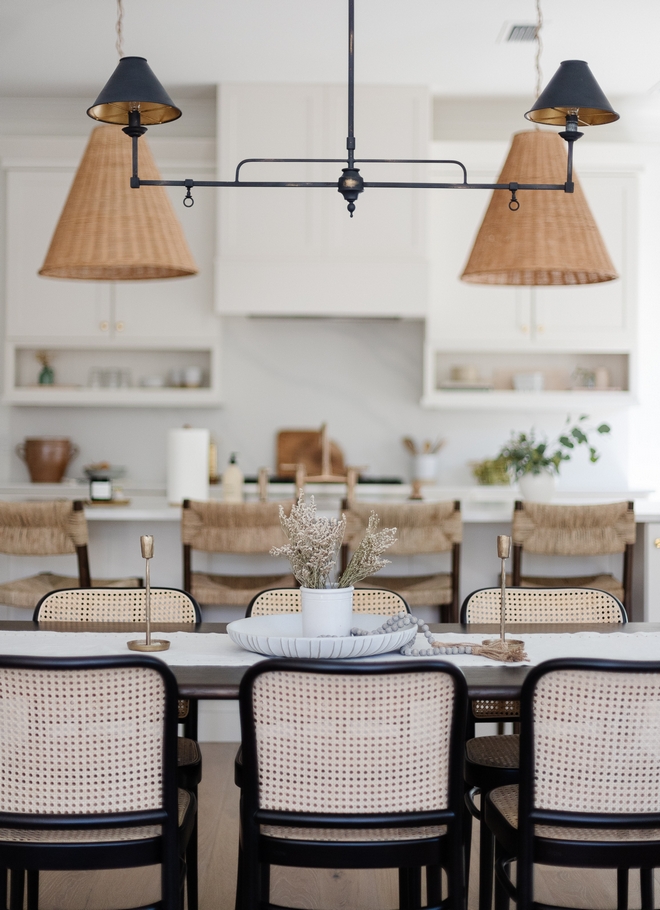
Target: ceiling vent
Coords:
[[522, 33]]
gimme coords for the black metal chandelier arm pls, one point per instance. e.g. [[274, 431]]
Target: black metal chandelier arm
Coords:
[[285, 161], [512, 187]]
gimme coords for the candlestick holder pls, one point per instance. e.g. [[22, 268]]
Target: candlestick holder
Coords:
[[157, 644], [509, 649]]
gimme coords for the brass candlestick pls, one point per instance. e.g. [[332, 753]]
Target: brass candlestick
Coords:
[[158, 644], [502, 649]]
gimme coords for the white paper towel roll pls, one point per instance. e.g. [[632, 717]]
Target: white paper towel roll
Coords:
[[187, 464]]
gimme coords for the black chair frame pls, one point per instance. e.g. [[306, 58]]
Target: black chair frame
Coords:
[[248, 611], [258, 852], [168, 849], [527, 848]]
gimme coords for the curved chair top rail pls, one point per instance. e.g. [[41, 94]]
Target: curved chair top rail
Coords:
[[378, 601], [544, 605], [117, 605]]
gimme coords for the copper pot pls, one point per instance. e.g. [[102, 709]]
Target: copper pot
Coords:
[[47, 457]]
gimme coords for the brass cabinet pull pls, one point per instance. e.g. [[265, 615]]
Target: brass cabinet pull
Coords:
[[103, 326], [119, 326], [656, 543]]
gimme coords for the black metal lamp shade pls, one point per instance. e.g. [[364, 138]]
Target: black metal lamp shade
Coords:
[[572, 90], [134, 87]]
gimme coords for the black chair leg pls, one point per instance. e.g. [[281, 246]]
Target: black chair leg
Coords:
[[192, 884], [646, 886], [501, 896], [621, 889], [264, 875], [16, 889], [467, 844], [33, 889], [433, 885], [486, 858], [410, 888]]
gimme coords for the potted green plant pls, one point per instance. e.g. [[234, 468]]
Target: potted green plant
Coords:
[[534, 462], [313, 549]]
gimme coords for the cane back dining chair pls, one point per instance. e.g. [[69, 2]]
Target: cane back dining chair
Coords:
[[493, 761], [228, 527], [168, 605], [352, 766], [67, 799], [423, 528], [589, 777], [53, 528], [590, 530], [379, 601]]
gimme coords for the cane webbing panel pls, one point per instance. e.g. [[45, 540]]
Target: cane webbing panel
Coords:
[[597, 741], [418, 590], [37, 836], [494, 751], [338, 743], [233, 527], [573, 530], [505, 800], [422, 527], [544, 605], [41, 528], [187, 751], [354, 834], [365, 600], [67, 738], [116, 605], [234, 590]]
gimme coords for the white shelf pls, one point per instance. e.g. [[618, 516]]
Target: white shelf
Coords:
[[109, 398], [505, 400]]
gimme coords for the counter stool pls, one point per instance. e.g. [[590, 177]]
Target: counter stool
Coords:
[[52, 528]]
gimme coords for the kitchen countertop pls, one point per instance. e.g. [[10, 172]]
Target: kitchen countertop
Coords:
[[480, 504]]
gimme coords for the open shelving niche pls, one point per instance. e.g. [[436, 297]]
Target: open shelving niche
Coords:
[[74, 362], [497, 368]]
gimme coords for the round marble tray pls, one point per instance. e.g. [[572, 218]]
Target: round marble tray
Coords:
[[280, 635]]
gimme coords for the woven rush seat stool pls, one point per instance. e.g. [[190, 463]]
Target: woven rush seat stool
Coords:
[[310, 797], [591, 530], [168, 605], [228, 527], [422, 528], [589, 777], [54, 528], [493, 761]]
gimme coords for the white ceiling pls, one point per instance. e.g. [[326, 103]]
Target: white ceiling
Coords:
[[67, 47]]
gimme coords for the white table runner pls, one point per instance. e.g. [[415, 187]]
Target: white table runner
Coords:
[[217, 650]]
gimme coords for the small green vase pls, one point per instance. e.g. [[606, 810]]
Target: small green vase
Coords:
[[46, 376]]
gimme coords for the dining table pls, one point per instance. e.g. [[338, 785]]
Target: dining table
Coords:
[[213, 678]]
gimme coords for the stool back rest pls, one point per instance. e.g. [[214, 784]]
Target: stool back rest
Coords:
[[86, 735], [591, 530], [232, 527], [543, 605], [42, 528], [316, 735], [591, 737], [117, 605], [365, 600], [422, 527]]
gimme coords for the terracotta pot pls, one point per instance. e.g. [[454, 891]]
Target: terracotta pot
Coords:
[[47, 457]]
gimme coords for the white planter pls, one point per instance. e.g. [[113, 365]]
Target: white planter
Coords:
[[537, 487], [425, 466], [326, 611]]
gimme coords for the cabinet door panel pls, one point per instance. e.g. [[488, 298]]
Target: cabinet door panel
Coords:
[[39, 306], [596, 313], [461, 313]]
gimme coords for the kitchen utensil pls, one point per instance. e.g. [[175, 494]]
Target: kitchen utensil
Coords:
[[47, 457], [304, 447], [410, 445]]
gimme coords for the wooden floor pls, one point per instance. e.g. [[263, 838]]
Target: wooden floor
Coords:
[[332, 890]]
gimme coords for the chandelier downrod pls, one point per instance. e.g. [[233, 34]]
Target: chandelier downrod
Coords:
[[121, 102]]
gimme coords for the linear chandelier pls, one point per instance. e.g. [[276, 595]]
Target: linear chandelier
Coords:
[[134, 98]]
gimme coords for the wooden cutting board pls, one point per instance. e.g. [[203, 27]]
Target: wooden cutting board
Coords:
[[304, 447]]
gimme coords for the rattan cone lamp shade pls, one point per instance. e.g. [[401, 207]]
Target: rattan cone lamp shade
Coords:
[[552, 239], [110, 232]]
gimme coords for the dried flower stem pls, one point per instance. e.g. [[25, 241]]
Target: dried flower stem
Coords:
[[366, 559]]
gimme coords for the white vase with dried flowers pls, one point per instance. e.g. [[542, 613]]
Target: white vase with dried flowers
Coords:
[[313, 550]]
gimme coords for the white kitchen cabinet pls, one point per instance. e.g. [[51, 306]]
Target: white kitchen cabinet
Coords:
[[297, 251], [148, 328], [553, 329]]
